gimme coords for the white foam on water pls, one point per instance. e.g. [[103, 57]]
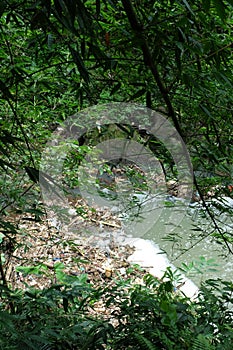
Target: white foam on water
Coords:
[[148, 255]]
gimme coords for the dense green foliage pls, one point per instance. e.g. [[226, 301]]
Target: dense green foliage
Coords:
[[142, 316], [60, 56]]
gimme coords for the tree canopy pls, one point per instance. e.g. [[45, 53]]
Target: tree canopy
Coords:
[[59, 57]]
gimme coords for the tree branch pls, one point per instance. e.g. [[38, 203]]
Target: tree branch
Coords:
[[138, 29]]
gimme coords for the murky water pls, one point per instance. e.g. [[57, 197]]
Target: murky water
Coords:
[[191, 241], [182, 231], [179, 229]]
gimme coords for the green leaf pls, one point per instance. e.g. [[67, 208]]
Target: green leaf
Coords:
[[205, 109], [144, 343], [4, 164], [36, 270], [180, 46], [7, 227], [222, 78], [138, 94], [188, 7], [1, 237], [2, 257]]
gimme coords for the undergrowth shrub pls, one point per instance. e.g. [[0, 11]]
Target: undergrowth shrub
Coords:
[[150, 316]]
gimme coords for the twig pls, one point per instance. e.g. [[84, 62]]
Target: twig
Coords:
[[106, 223]]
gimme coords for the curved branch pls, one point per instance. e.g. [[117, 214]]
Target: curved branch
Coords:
[[138, 29]]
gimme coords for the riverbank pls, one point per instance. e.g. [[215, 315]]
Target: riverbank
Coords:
[[101, 256], [147, 255]]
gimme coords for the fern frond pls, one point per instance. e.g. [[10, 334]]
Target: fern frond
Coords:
[[202, 343], [144, 343]]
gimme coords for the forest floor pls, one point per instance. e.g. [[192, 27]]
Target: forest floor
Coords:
[[89, 241], [89, 245]]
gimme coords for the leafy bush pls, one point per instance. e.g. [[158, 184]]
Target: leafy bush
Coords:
[[150, 315]]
